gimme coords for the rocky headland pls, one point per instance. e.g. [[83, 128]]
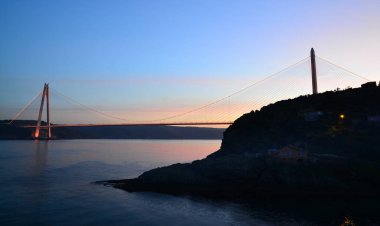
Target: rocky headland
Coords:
[[326, 144]]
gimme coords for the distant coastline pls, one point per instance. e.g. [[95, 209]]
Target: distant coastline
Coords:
[[16, 131]]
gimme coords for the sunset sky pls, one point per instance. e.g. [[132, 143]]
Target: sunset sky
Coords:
[[151, 59]]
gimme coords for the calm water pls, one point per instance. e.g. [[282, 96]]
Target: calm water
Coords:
[[50, 183]]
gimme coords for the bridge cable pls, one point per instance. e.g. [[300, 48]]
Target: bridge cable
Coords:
[[24, 108], [226, 97], [187, 112], [90, 108], [352, 73]]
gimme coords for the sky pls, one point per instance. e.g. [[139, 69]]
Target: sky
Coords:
[[148, 59]]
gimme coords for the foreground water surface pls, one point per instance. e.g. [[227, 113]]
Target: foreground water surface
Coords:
[[51, 183]]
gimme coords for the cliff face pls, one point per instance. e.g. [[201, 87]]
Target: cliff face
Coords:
[[339, 130]]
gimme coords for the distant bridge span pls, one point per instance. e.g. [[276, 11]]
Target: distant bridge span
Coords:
[[132, 124], [45, 98]]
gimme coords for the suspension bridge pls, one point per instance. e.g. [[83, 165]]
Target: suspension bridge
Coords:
[[290, 83]]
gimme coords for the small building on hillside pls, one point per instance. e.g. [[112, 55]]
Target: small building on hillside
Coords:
[[369, 85], [289, 152], [373, 119], [310, 115]]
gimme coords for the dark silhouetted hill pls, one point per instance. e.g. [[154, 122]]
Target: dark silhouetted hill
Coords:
[[339, 131]]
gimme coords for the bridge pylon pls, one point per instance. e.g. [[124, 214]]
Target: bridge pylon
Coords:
[[39, 132], [313, 71]]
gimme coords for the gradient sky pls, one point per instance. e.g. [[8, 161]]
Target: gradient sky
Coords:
[[170, 56]]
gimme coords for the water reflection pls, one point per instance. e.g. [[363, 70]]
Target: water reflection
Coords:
[[41, 148], [50, 183]]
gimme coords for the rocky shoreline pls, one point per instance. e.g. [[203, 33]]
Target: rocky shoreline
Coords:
[[319, 145], [208, 178]]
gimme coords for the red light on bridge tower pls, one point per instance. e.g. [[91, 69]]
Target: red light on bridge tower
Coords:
[[45, 93], [313, 71]]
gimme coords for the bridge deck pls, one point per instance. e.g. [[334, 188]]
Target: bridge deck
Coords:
[[134, 124]]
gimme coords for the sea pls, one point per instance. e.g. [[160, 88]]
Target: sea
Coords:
[[52, 183]]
